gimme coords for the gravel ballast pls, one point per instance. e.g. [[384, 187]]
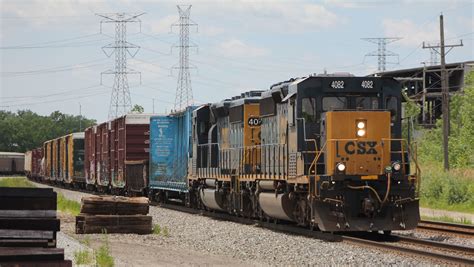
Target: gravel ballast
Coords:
[[199, 240]]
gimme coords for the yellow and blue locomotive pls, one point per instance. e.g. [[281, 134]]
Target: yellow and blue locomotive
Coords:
[[322, 151]]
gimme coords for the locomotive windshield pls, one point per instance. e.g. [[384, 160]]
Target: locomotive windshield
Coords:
[[332, 103]]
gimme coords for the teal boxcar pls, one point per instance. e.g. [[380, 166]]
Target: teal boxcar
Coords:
[[170, 150]]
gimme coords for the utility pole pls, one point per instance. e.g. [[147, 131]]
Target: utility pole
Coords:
[[153, 105], [80, 117], [382, 53], [120, 100], [184, 92], [444, 88]]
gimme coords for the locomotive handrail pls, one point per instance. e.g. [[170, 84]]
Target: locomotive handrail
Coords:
[[413, 156]]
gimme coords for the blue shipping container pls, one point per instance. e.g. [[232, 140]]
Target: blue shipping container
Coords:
[[170, 150]]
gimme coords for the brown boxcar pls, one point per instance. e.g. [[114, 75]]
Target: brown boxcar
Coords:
[[102, 159], [46, 173], [130, 138], [89, 164], [37, 163]]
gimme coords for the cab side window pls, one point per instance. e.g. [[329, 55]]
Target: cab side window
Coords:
[[308, 109], [391, 104]]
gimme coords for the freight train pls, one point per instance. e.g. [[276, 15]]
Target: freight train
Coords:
[[324, 152]]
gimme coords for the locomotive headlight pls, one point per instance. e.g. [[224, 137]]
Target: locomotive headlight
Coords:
[[341, 167], [360, 132], [361, 126], [396, 166]]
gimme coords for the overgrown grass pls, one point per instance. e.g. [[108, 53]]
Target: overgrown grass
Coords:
[[158, 230], [447, 219], [83, 257], [453, 190], [102, 255], [15, 182], [64, 204], [68, 206]]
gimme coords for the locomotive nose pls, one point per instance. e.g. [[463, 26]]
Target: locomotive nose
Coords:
[[368, 207]]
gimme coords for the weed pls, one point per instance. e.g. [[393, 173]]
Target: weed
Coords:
[[156, 229], [102, 255], [15, 182], [166, 232], [86, 241], [448, 219], [69, 206], [83, 257]]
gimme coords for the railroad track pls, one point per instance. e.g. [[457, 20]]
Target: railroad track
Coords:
[[407, 245], [454, 228]]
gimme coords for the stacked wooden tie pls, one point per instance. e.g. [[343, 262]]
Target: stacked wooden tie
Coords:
[[114, 214], [28, 226]]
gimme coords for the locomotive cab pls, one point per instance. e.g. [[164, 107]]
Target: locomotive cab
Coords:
[[349, 138]]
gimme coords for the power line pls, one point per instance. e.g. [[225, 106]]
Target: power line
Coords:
[[184, 93], [382, 53], [120, 100], [445, 87]]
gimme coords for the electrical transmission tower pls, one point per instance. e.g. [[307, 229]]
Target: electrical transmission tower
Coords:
[[382, 53], [120, 100], [433, 54], [444, 86], [184, 92]]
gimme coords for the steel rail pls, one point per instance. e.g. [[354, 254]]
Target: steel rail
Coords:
[[380, 243], [469, 261], [463, 229]]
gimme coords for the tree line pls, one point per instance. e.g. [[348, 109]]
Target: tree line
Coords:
[[25, 130]]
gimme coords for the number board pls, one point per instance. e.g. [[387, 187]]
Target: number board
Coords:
[[367, 84], [254, 121]]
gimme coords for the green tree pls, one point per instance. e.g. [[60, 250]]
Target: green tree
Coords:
[[137, 109], [461, 141], [25, 130]]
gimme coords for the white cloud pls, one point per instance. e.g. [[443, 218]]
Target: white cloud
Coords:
[[40, 12], [162, 25], [239, 49], [288, 15], [210, 30], [274, 15], [412, 33]]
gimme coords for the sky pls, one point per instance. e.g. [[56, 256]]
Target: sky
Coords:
[[51, 55]]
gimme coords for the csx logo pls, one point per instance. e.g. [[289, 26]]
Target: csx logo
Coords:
[[360, 148]]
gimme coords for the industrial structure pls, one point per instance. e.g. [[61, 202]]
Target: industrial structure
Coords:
[[423, 85]]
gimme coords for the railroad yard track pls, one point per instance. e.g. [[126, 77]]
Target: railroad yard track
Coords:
[[439, 251], [454, 228]]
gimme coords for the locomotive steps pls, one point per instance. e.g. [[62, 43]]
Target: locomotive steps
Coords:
[[114, 214]]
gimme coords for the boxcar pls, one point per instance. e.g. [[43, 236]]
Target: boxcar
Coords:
[[102, 159], [73, 162], [129, 148], [170, 149], [27, 164], [90, 154], [36, 163], [12, 163]]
